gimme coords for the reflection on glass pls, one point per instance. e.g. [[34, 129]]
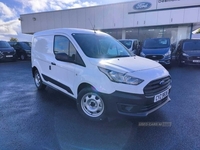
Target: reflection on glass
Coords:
[[156, 43], [100, 46]]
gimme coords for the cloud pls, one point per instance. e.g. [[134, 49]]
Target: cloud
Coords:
[[10, 25], [6, 12], [49, 5], [9, 28], [79, 4], [12, 29], [34, 5]]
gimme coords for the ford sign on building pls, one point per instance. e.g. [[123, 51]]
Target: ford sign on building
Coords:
[[137, 19], [142, 6]]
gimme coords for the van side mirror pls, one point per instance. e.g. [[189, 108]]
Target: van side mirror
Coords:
[[64, 57]]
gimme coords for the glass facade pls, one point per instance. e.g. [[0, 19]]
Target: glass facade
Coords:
[[115, 33], [175, 33], [132, 33]]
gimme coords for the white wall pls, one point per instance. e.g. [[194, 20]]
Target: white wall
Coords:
[[176, 3], [111, 16]]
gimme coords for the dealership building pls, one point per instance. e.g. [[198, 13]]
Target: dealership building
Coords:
[[175, 19]]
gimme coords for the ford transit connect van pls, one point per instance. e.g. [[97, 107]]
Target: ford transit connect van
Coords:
[[188, 52], [7, 53], [158, 49], [23, 49], [99, 73]]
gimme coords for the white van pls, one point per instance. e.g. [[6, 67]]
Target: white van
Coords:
[[99, 73], [133, 45]]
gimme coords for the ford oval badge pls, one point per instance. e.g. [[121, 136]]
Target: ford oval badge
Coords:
[[162, 82], [142, 6]]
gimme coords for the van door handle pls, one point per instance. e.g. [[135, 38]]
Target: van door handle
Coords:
[[53, 63]]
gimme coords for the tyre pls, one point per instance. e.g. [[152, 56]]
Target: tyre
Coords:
[[169, 66], [22, 57], [38, 81], [180, 64], [178, 60], [91, 105]]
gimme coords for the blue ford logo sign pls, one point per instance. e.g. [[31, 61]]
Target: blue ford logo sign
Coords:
[[142, 6]]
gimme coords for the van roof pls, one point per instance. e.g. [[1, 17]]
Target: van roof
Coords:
[[66, 30]]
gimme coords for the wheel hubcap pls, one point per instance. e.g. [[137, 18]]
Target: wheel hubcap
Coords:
[[22, 57], [37, 79], [92, 104]]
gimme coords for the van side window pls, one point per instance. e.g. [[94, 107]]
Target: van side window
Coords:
[[61, 45], [72, 50]]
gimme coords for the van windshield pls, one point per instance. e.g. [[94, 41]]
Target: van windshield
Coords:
[[4, 44], [191, 45], [25, 46], [156, 43], [100, 46], [126, 43]]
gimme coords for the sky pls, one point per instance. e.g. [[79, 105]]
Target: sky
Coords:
[[10, 11]]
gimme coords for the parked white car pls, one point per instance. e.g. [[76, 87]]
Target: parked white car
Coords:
[[99, 73], [133, 45]]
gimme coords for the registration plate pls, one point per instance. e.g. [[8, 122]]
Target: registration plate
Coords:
[[198, 61], [9, 55], [160, 96]]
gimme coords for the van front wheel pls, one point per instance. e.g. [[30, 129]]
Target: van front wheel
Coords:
[[91, 105], [38, 81]]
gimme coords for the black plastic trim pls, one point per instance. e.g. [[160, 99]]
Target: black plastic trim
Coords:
[[57, 83], [141, 105]]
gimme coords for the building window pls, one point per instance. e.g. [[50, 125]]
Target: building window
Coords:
[[114, 33], [132, 33], [145, 33]]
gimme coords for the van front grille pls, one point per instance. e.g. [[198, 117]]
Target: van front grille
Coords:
[[194, 58], [157, 86], [155, 57], [8, 53]]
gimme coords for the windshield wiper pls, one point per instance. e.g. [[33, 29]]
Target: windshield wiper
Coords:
[[118, 56]]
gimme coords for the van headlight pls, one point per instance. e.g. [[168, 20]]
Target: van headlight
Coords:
[[142, 54], [184, 54], [120, 77], [167, 54]]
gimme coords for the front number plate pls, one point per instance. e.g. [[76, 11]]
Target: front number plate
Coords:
[[160, 96], [197, 61], [9, 55]]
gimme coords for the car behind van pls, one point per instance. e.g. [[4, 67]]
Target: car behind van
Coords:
[[157, 49], [99, 73], [7, 53], [188, 52], [23, 49], [133, 45]]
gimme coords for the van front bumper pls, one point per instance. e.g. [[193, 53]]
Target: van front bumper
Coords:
[[165, 61], [195, 60], [7, 57], [132, 104]]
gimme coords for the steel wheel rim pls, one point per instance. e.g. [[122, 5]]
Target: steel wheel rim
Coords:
[[22, 57], [92, 105], [37, 79]]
